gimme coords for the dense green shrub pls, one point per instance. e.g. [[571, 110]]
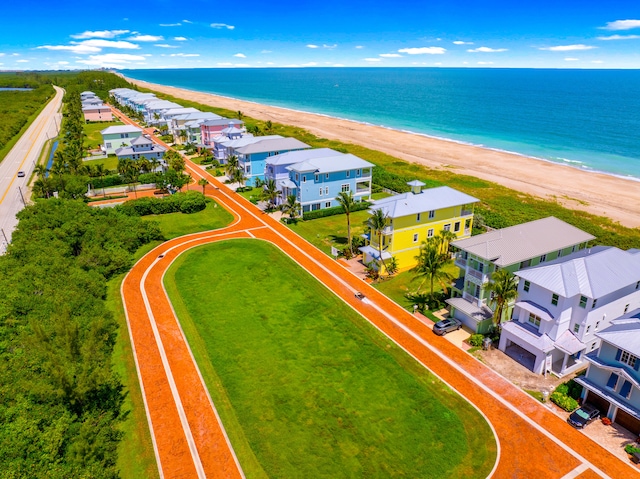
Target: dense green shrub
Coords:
[[476, 340], [107, 181], [187, 202], [336, 210], [565, 402], [571, 389], [631, 449]]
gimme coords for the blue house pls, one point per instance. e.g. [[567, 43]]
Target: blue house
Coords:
[[317, 181], [253, 157], [612, 382]]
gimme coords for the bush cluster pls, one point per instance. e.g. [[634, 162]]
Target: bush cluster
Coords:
[[565, 402], [107, 181], [476, 340], [187, 202], [336, 210]]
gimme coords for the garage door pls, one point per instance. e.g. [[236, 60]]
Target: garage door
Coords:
[[627, 421], [599, 402]]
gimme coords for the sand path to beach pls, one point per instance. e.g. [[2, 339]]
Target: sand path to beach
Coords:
[[600, 194]]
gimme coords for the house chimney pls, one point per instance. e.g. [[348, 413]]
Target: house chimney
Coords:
[[416, 186]]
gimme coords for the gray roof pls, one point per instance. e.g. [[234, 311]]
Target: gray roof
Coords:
[[530, 335], [471, 309], [196, 115], [246, 139], [178, 111], [522, 242], [121, 129], [272, 144], [429, 199], [127, 150], [222, 122], [336, 162], [593, 272], [231, 130], [297, 156], [141, 140], [624, 333], [96, 107], [160, 105]]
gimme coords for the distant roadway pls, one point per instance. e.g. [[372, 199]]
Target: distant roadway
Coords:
[[23, 157]]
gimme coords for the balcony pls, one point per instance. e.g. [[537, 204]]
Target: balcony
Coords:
[[480, 277], [388, 230], [466, 212], [472, 299], [461, 263]]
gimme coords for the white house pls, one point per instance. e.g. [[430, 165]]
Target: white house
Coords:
[[564, 303]]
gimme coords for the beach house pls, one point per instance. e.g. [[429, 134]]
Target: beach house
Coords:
[[179, 125], [142, 147], [512, 249], [153, 109], [612, 381], [211, 129], [414, 217], [97, 112], [253, 156], [118, 136], [562, 304]]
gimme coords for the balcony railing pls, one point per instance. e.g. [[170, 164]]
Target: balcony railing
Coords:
[[478, 275], [466, 212], [472, 299], [461, 263], [387, 230]]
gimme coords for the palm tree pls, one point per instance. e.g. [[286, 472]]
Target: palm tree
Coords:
[[238, 176], [291, 207], [40, 170], [504, 287], [347, 202], [270, 192], [203, 182], [239, 114], [431, 263], [231, 166], [377, 223], [444, 239], [101, 171]]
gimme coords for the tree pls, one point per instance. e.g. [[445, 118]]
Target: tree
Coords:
[[40, 170], [504, 287], [177, 163], [270, 192], [444, 239], [203, 182], [240, 115], [101, 172], [431, 263], [377, 223], [231, 166], [347, 202], [291, 207]]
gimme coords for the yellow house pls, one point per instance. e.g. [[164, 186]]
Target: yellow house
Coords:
[[416, 216]]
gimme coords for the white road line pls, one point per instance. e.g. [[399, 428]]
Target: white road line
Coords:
[[576, 472]]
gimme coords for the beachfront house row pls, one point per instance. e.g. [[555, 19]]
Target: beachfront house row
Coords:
[[317, 180], [118, 136], [211, 129], [98, 112], [86, 95], [253, 157], [142, 147], [563, 304], [512, 249], [93, 101], [416, 216], [153, 109], [232, 138], [612, 381], [178, 124]]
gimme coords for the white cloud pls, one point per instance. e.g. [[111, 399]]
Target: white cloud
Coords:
[[109, 44], [423, 51], [622, 25], [184, 55], [15, 54], [170, 24], [372, 60], [266, 51], [460, 42], [390, 55], [78, 49], [100, 34], [1, 54], [309, 64], [312, 46], [570, 59], [221, 25], [330, 47], [225, 64], [486, 50], [485, 63], [180, 39], [112, 60], [620, 37], [359, 47], [22, 61], [597, 61], [164, 45], [240, 55], [568, 48], [241, 65], [146, 38], [187, 21], [63, 63]]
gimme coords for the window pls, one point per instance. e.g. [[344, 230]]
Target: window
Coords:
[[627, 358], [345, 188], [626, 308], [326, 190], [625, 390], [348, 173], [317, 177], [432, 214], [583, 301], [297, 177], [638, 285], [543, 258], [597, 324], [576, 328], [559, 253], [315, 206], [456, 226], [124, 135], [358, 172], [108, 145], [588, 328], [326, 176], [533, 319], [430, 233], [418, 216], [525, 264], [415, 238], [573, 249], [554, 299], [526, 286], [327, 204], [304, 178], [320, 191], [593, 305], [447, 227], [593, 346], [613, 381]]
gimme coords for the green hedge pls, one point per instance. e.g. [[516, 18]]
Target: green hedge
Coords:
[[565, 402], [187, 202], [475, 340], [107, 181], [336, 210]]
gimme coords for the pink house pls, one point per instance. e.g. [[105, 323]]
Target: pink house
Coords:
[[211, 129], [97, 113]]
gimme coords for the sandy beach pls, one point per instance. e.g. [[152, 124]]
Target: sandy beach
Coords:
[[600, 194]]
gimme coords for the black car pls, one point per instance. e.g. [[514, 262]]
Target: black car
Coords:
[[446, 326], [21, 174], [583, 416]]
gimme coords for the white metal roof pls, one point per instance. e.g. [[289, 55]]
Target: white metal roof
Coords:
[[121, 129], [327, 164], [624, 333], [272, 144], [524, 241], [297, 156], [427, 200]]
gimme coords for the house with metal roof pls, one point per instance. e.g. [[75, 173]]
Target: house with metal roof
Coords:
[[97, 112], [142, 147], [416, 216], [118, 136], [179, 129], [564, 303], [612, 381], [513, 248], [211, 129], [253, 157]]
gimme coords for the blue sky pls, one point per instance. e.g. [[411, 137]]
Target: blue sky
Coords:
[[204, 34]]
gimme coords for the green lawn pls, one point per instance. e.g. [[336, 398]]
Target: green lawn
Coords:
[[305, 386], [92, 131], [110, 163], [173, 225]]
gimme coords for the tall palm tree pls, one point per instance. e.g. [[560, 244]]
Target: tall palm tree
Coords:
[[238, 176], [504, 287], [347, 202], [291, 207], [101, 171], [231, 166], [40, 170], [239, 114], [203, 182], [270, 192], [431, 263], [444, 240], [376, 223]]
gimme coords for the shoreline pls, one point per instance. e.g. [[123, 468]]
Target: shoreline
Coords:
[[603, 194]]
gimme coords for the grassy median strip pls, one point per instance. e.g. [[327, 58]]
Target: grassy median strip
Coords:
[[308, 388], [173, 225]]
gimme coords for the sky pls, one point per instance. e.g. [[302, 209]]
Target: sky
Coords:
[[70, 34]]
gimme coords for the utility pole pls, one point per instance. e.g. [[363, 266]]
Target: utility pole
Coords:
[[22, 196], [5, 236]]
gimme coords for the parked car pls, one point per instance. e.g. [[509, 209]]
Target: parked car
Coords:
[[446, 326], [583, 416], [21, 174]]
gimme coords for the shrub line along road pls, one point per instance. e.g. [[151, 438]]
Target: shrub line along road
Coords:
[[23, 157], [188, 437]]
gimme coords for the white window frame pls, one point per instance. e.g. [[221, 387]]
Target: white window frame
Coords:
[[432, 214], [326, 190], [430, 233], [320, 191], [415, 237], [346, 188], [447, 227]]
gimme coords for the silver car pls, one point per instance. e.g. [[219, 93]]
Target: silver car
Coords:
[[446, 326]]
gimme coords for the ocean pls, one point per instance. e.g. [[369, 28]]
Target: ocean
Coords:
[[589, 119]]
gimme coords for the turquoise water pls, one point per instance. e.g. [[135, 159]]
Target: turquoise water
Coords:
[[589, 119]]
